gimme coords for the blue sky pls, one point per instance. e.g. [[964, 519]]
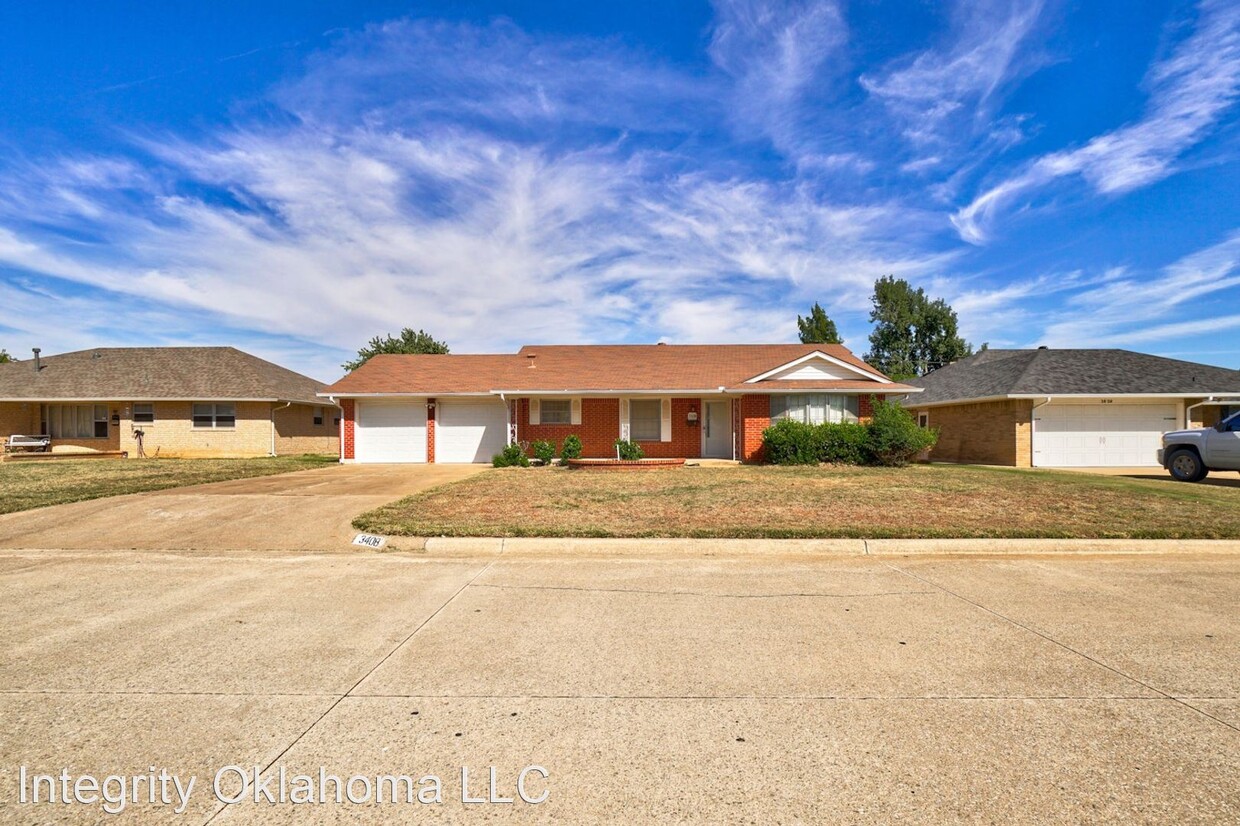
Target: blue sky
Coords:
[[294, 178]]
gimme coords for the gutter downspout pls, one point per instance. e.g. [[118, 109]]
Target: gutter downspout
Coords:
[[508, 440], [287, 405], [1188, 411], [723, 391], [339, 427], [1033, 427]]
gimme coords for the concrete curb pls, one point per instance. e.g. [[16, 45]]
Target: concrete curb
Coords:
[[533, 546]]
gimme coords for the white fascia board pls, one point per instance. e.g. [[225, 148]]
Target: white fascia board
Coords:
[[714, 391], [818, 354]]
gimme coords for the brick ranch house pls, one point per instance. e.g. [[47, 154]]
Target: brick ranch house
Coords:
[[193, 402], [676, 401], [1068, 408]]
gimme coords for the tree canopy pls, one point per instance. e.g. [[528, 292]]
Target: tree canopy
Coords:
[[409, 342], [5, 358], [913, 334], [818, 328]]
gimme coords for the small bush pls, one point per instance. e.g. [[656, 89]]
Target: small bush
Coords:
[[543, 451], [628, 451], [571, 448], [511, 456], [845, 443], [895, 437], [791, 443]]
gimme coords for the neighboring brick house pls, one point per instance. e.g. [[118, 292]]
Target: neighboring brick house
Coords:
[[676, 401], [184, 401], [1067, 408]]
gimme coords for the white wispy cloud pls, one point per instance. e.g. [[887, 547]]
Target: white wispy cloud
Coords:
[[1188, 93], [951, 88], [539, 221]]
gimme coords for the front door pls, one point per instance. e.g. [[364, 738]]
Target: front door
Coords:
[[717, 431]]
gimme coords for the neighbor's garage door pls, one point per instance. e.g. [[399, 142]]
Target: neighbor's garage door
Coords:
[[390, 431], [1100, 435], [470, 431]]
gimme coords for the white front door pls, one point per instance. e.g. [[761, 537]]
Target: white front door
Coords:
[[470, 431], [717, 430], [1100, 435], [390, 431]]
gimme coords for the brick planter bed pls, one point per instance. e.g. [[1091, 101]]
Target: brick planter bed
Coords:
[[624, 464]]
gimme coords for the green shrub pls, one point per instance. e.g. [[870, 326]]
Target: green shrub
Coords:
[[543, 451], [511, 456], [628, 451], [895, 437], [791, 443], [571, 448], [844, 443]]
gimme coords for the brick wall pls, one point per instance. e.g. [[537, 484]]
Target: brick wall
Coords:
[[865, 405], [432, 410], [989, 433], [20, 418], [755, 417], [347, 424], [173, 434], [296, 432], [599, 428]]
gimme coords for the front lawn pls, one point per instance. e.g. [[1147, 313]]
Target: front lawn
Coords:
[[26, 485], [779, 502]]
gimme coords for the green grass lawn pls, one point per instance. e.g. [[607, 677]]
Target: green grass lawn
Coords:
[[26, 485], [778, 502]]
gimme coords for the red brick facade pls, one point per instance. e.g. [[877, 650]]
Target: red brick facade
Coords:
[[755, 417], [430, 430], [598, 431], [600, 427], [347, 406]]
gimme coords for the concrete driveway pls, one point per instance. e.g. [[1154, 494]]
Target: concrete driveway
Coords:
[[725, 688], [305, 510]]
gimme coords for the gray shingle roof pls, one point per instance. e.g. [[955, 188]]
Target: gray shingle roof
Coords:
[[150, 373], [993, 373]]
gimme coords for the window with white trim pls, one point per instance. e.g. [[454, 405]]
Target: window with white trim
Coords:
[[77, 421], [215, 415], [645, 420], [144, 413], [318, 415], [923, 419], [816, 408], [556, 411]]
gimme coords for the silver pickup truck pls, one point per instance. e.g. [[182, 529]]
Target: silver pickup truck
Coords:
[[1191, 454]]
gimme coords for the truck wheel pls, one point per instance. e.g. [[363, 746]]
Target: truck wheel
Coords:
[[1186, 466]]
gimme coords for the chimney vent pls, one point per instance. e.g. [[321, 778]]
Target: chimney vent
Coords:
[[37, 364]]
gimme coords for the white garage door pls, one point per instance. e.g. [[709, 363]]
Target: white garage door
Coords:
[[1100, 435], [470, 431], [390, 431]]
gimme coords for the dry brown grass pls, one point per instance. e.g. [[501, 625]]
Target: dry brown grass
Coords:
[[26, 485], [777, 502]]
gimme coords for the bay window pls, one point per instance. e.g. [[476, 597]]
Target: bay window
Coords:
[[816, 408]]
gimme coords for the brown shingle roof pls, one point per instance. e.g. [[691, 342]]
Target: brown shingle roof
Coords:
[[150, 373], [594, 368]]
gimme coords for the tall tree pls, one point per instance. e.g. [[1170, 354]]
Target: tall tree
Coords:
[[818, 328], [5, 358], [409, 342], [912, 333]]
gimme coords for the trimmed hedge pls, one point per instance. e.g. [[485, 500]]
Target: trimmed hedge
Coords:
[[891, 437]]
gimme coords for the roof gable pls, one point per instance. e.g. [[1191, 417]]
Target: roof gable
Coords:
[[818, 366]]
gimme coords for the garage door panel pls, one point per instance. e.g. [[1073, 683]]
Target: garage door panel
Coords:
[[390, 431], [1100, 435], [470, 431]]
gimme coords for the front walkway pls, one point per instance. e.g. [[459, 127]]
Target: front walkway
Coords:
[[305, 510]]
